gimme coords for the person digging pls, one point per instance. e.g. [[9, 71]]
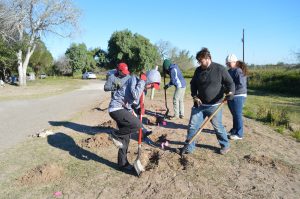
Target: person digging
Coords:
[[120, 110]]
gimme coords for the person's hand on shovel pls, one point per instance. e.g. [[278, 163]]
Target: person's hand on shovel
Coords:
[[229, 96], [197, 102]]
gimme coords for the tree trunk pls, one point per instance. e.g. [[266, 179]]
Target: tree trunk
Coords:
[[22, 82], [22, 66]]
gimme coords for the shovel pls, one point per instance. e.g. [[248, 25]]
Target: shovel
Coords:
[[137, 163], [206, 120], [166, 104]]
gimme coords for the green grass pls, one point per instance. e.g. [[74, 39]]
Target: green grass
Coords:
[[257, 99], [41, 88], [296, 135]]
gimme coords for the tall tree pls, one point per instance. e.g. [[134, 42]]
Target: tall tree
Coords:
[[164, 48], [25, 21], [182, 58], [41, 60], [62, 66], [80, 58], [7, 60], [134, 49]]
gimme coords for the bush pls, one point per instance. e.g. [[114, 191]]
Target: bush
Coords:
[[275, 79], [296, 135], [273, 116]]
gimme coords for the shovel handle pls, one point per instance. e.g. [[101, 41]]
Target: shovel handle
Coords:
[[207, 119]]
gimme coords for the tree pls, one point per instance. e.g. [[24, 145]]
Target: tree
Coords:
[[133, 49], [62, 66], [41, 60], [7, 60], [164, 48], [25, 21], [80, 59], [182, 58], [101, 57]]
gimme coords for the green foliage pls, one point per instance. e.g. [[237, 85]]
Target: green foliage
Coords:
[[100, 57], [7, 55], [133, 49], [296, 135], [273, 116], [41, 60], [80, 58], [275, 79], [183, 59]]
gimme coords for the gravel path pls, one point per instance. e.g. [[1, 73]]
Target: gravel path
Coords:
[[21, 118]]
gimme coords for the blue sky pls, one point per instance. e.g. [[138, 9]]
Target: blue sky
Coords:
[[272, 27]]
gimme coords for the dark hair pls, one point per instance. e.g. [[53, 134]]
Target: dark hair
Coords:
[[203, 53], [242, 66]]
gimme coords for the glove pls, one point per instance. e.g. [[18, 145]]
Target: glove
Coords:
[[118, 85], [143, 76], [197, 102], [166, 86], [229, 96]]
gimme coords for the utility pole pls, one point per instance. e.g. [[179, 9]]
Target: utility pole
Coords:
[[243, 40]]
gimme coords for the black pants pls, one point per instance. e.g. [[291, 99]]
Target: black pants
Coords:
[[127, 124]]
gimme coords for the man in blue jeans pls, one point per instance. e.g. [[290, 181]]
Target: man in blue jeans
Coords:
[[208, 85]]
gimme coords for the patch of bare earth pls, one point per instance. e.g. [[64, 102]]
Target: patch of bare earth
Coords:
[[96, 141], [264, 164], [41, 174]]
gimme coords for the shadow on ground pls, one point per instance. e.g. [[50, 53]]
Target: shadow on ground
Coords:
[[65, 142], [90, 130]]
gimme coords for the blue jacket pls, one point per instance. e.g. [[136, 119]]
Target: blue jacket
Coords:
[[127, 95], [176, 77], [114, 80], [239, 79]]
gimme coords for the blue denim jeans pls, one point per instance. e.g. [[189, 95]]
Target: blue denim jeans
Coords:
[[236, 108], [196, 120]]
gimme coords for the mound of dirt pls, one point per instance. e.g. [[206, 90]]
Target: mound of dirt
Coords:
[[97, 141], [108, 124], [42, 174]]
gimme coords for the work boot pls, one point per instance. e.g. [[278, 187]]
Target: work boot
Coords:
[[127, 167]]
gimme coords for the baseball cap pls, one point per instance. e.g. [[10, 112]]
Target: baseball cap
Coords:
[[231, 58], [123, 68]]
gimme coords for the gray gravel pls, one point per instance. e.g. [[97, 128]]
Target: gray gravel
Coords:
[[22, 118]]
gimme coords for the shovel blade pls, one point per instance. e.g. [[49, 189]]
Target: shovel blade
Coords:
[[138, 167]]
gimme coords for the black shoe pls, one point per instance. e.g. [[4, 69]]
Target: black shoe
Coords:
[[181, 116], [147, 133], [127, 167]]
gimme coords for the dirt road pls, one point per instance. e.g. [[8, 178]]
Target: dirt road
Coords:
[[21, 118]]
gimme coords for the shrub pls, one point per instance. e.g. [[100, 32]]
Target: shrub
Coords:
[[296, 135]]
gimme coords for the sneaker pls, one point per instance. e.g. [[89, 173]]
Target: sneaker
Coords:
[[235, 137], [181, 116], [224, 150], [115, 140]]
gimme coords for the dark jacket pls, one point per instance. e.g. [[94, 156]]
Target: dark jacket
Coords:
[[210, 84], [239, 79]]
